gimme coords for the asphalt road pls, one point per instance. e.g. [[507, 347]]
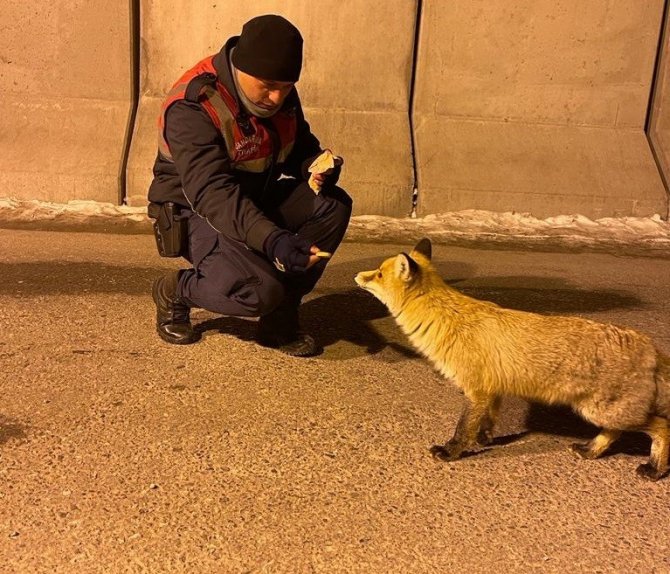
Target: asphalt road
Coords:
[[120, 453]]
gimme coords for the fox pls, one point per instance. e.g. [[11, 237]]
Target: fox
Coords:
[[612, 376]]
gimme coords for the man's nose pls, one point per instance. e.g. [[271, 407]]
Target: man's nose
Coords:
[[275, 96]]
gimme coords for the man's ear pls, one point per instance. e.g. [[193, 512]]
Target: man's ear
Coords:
[[405, 267], [425, 248]]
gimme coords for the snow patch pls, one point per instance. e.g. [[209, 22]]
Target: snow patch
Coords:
[[34, 210], [474, 222], [470, 225]]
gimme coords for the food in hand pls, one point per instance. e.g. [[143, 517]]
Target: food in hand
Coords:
[[321, 165]]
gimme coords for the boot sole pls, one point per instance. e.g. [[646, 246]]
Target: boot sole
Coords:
[[176, 341]]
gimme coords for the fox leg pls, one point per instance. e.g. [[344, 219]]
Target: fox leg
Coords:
[[485, 435], [657, 467], [477, 411], [596, 447]]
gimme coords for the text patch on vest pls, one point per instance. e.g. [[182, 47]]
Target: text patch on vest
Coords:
[[247, 147]]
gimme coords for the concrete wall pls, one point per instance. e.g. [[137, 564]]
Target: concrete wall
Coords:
[[65, 98], [530, 105], [537, 106], [354, 86], [659, 126]]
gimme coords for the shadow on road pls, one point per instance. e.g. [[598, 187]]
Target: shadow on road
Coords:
[[75, 278], [562, 421], [558, 421], [539, 295], [331, 318], [346, 316], [10, 429], [528, 293]]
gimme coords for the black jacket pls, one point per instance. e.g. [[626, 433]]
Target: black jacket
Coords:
[[202, 176]]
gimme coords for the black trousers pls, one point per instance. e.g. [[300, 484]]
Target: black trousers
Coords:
[[230, 279]]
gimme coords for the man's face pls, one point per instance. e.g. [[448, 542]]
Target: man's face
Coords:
[[267, 94]]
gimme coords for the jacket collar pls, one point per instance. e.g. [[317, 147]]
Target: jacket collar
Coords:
[[222, 67]]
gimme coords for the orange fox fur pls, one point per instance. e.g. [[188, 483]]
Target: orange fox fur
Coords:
[[612, 376]]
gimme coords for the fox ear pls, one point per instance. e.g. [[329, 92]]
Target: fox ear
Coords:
[[405, 267], [425, 248]]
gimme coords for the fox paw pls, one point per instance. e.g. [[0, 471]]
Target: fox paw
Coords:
[[484, 438], [445, 452], [583, 451], [649, 472]]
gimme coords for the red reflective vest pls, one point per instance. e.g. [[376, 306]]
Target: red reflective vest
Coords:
[[249, 149]]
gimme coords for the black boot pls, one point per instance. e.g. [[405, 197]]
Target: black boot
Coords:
[[172, 312], [280, 330]]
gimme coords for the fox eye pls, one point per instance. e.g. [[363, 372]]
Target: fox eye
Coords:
[[379, 275]]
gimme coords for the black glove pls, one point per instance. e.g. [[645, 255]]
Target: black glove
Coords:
[[288, 251]]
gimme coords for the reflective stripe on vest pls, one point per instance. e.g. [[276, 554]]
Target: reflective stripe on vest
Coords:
[[252, 153]]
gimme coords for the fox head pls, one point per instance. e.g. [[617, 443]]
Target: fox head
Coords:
[[397, 275]]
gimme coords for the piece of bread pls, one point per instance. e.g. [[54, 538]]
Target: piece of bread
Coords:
[[321, 164]]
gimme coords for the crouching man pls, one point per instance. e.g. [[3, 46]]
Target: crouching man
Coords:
[[228, 129]]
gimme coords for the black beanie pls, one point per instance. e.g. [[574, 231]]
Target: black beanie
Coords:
[[270, 47]]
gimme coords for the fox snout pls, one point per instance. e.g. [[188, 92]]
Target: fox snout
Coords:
[[363, 278]]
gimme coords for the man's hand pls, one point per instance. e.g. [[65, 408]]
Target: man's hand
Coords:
[[317, 255], [289, 252], [321, 178], [318, 172]]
